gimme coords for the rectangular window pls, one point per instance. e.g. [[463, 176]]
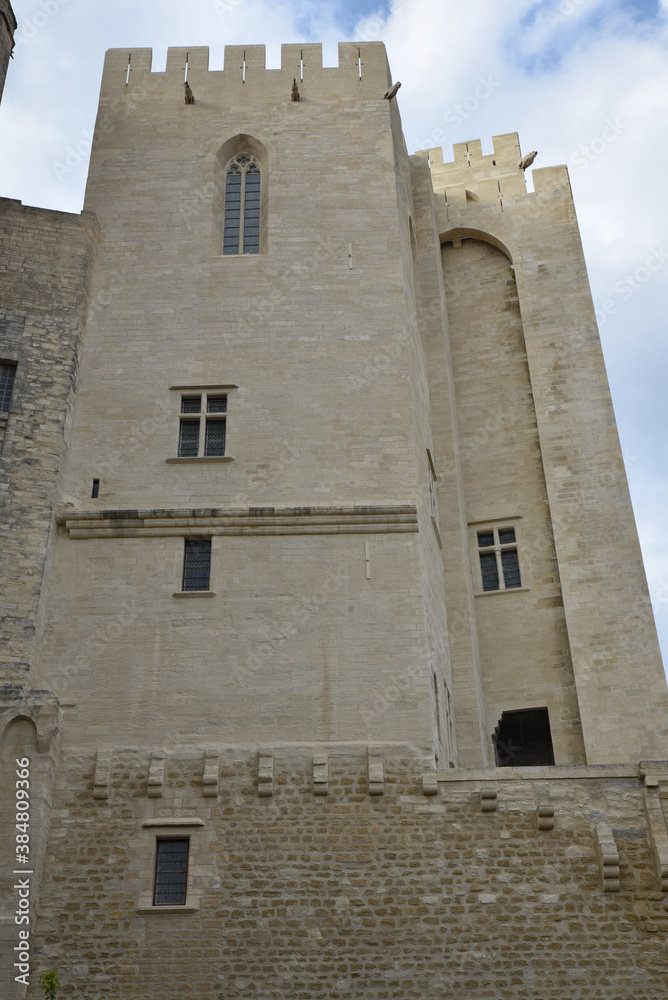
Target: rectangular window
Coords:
[[202, 426], [171, 872], [197, 564], [523, 739], [499, 562], [7, 376]]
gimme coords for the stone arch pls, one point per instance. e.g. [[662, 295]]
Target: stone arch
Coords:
[[18, 730], [39, 708], [237, 145], [453, 235]]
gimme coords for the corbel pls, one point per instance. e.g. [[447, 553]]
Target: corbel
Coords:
[[608, 857], [655, 792], [489, 798], [320, 774], [545, 817], [210, 775], [265, 773], [102, 774], [429, 777], [376, 773], [156, 774]]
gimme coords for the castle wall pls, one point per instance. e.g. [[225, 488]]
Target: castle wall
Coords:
[[410, 356], [613, 647], [327, 412], [43, 289], [522, 633], [350, 893], [294, 643], [7, 28], [473, 743]]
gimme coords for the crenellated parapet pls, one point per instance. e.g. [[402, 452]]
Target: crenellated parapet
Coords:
[[474, 178], [363, 71]]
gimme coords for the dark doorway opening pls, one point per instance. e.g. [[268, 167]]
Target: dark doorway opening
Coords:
[[523, 739]]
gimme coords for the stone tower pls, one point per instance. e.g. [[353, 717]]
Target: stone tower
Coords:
[[334, 571], [7, 28]]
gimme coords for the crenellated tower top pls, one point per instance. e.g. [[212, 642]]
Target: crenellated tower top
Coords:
[[363, 71], [475, 177]]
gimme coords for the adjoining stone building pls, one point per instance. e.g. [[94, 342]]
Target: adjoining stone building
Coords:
[[327, 631]]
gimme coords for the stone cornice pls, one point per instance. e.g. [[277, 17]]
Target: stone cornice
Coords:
[[247, 521]]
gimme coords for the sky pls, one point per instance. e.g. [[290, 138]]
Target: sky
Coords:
[[584, 82]]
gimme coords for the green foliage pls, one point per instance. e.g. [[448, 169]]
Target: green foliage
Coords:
[[50, 981]]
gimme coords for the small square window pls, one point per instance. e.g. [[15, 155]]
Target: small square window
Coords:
[[499, 562], [171, 872], [7, 376], [197, 564], [201, 434]]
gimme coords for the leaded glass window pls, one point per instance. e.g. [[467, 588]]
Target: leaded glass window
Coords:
[[202, 426], [197, 564], [171, 873], [7, 375], [243, 183], [499, 562]]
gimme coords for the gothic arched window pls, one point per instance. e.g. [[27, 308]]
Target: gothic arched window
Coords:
[[241, 233]]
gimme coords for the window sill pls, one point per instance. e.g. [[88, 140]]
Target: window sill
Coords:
[[239, 256], [4, 415], [510, 590], [199, 458], [163, 911], [194, 593]]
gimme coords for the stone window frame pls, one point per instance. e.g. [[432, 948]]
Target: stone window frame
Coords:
[[158, 880], [241, 144], [190, 592], [144, 861], [200, 411], [242, 165], [205, 392], [7, 397], [495, 525]]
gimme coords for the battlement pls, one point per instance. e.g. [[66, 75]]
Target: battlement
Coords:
[[363, 70], [474, 177]]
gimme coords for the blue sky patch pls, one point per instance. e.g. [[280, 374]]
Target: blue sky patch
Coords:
[[551, 29]]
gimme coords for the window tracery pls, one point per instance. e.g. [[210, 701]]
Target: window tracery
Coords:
[[243, 181]]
